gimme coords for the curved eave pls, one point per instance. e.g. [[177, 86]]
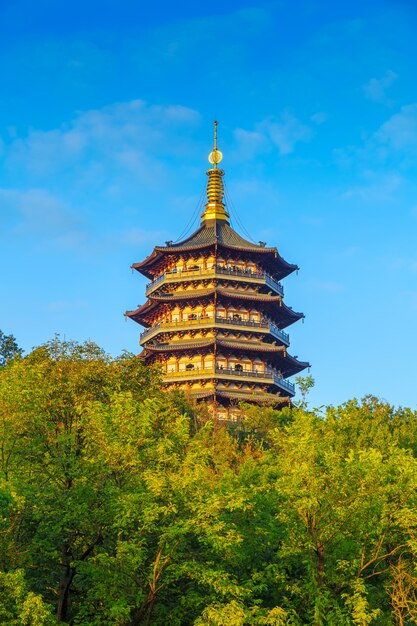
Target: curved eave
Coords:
[[294, 366], [180, 347], [250, 346], [257, 398], [143, 266], [183, 295], [268, 398], [281, 268], [286, 315], [139, 315], [278, 266], [230, 345], [241, 295]]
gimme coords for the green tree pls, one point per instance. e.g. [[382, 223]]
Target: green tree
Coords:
[[20, 607], [8, 348], [123, 505]]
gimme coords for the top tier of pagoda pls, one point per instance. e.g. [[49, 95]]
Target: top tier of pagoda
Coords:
[[215, 315]]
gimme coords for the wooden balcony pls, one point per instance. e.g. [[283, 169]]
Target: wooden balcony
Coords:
[[268, 377], [259, 278], [217, 322]]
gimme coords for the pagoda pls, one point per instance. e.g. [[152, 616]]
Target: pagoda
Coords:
[[215, 315]]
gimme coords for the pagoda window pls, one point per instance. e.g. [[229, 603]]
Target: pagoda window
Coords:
[[189, 366], [221, 414], [221, 312], [238, 367], [208, 362], [246, 365], [258, 366]]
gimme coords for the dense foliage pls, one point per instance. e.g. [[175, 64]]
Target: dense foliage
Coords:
[[8, 348], [122, 505]]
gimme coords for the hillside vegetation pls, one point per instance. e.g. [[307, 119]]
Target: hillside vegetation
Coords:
[[122, 505]]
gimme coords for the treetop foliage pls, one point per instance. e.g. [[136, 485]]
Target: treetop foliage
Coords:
[[123, 505], [8, 348]]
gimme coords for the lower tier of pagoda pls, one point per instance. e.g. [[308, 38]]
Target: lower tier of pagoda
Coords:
[[224, 398]]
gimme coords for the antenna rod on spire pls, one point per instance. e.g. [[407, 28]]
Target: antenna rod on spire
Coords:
[[215, 135]]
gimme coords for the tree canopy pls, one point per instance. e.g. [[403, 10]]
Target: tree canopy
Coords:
[[8, 348], [123, 505]]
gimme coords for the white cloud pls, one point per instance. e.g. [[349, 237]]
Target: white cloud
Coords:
[[282, 133], [319, 118], [36, 209], [250, 143], [399, 132], [394, 144], [38, 213], [126, 136], [376, 188], [286, 132], [376, 88]]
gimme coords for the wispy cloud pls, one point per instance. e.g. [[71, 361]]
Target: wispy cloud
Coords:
[[127, 136], [399, 132], [38, 213], [376, 88], [393, 144], [375, 188], [283, 133]]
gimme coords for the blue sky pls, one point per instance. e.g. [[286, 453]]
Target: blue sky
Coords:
[[106, 122]]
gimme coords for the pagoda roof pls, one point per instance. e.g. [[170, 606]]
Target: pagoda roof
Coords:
[[210, 233], [288, 364], [245, 396], [224, 343], [173, 347], [287, 316], [256, 346], [249, 396], [294, 366]]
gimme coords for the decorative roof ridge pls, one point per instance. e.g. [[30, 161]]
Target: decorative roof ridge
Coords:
[[250, 345], [257, 397], [241, 295], [239, 345], [181, 295], [295, 360], [184, 346]]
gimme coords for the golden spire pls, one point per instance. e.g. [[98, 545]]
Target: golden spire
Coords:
[[215, 209]]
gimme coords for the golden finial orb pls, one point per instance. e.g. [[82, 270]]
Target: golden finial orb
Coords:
[[215, 157]]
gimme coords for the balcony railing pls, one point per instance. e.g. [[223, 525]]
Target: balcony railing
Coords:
[[269, 375], [210, 321], [172, 276], [285, 384]]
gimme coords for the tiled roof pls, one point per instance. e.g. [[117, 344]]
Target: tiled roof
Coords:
[[216, 231], [250, 345], [210, 233], [269, 398]]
